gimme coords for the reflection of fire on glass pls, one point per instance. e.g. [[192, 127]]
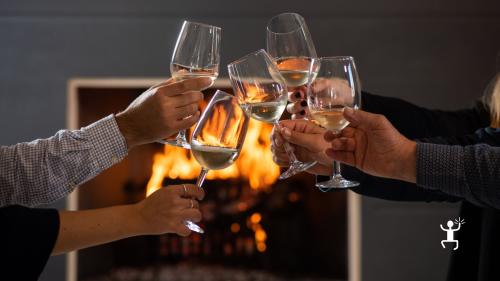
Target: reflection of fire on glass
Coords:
[[179, 163]]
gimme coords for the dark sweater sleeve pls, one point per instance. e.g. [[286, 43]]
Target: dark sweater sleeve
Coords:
[[470, 172], [27, 236], [417, 122]]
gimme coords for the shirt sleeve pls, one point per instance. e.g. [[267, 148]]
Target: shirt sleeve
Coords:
[[27, 238], [44, 170], [469, 172]]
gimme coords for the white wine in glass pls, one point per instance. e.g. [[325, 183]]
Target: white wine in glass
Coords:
[[295, 70], [335, 87], [196, 54], [218, 137], [182, 72], [268, 112], [213, 157], [290, 44], [332, 120]]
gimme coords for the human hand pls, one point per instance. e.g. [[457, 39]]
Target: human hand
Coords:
[[166, 210], [321, 87], [298, 104], [307, 141], [162, 111], [373, 145]]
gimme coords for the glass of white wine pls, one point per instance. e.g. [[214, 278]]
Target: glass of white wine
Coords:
[[196, 54], [335, 87], [218, 137], [290, 44], [261, 92]]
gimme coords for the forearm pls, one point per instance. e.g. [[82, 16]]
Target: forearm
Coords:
[[82, 229], [470, 172], [45, 170], [417, 122]]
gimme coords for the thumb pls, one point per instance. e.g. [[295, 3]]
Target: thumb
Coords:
[[164, 83], [358, 118]]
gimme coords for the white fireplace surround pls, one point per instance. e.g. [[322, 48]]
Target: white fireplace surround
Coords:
[[353, 199]]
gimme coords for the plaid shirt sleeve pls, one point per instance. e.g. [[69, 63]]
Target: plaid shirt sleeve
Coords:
[[45, 170]]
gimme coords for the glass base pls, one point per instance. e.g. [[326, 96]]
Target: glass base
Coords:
[[177, 142], [194, 227], [337, 182], [296, 168]]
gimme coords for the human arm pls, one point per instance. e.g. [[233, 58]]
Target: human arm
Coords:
[[45, 170], [411, 120], [164, 211], [309, 145], [468, 172], [30, 235]]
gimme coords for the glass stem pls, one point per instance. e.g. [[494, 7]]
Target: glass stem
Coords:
[[336, 170], [287, 146], [336, 165], [201, 177]]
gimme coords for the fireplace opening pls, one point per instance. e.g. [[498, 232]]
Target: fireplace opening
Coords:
[[257, 227]]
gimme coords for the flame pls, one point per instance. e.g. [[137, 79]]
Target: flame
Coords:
[[260, 235], [254, 164]]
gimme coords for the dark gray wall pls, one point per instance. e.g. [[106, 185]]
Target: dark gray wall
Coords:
[[437, 53]]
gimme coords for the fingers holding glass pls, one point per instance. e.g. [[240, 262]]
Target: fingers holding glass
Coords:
[[335, 87], [196, 55]]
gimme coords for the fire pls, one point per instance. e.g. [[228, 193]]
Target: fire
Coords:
[[260, 234], [254, 164], [228, 124]]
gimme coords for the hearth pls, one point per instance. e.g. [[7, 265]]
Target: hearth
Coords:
[[257, 228]]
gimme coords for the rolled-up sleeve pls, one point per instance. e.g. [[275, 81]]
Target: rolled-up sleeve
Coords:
[[45, 170], [469, 172]]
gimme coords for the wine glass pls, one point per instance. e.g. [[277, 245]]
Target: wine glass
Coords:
[[218, 137], [196, 54], [336, 87], [261, 92], [290, 44]]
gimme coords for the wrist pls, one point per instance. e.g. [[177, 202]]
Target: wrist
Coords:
[[136, 221], [407, 163], [126, 127]]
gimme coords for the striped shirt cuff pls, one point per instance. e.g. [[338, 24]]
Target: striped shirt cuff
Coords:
[[440, 167], [109, 145]]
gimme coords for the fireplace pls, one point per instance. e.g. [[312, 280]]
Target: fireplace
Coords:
[[257, 228]]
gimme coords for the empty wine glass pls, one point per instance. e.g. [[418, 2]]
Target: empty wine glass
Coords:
[[218, 137], [261, 92], [196, 54], [336, 87], [290, 44]]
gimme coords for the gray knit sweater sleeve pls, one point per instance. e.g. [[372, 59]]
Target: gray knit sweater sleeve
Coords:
[[470, 172]]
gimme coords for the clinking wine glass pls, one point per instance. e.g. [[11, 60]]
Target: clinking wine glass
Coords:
[[218, 137], [196, 54], [261, 92], [290, 44], [335, 87]]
